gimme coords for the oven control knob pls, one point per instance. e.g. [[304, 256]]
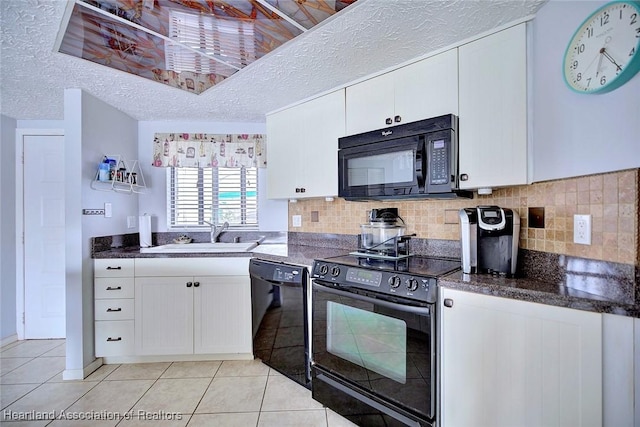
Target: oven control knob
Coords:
[[412, 285], [394, 281], [335, 271], [323, 269]]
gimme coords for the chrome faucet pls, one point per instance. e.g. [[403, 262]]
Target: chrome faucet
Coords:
[[216, 230]]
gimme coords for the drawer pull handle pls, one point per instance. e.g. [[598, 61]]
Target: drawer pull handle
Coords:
[[189, 284], [109, 310], [114, 339], [196, 284], [114, 268], [111, 288]]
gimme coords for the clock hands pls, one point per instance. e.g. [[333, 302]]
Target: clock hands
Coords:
[[604, 53]]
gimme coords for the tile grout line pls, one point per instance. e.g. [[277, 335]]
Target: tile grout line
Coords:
[[203, 394]]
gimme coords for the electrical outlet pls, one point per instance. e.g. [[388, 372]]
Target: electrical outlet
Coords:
[[582, 229], [296, 220], [131, 222], [92, 211], [108, 210]]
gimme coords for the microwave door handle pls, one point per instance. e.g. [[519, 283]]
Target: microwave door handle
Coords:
[[421, 156]]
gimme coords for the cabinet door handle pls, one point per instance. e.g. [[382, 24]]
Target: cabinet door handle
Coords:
[[114, 268], [388, 121], [189, 284], [114, 339], [196, 284], [464, 177], [110, 310], [397, 119], [111, 288], [448, 302]]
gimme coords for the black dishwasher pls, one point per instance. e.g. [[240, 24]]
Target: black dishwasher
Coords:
[[279, 295]]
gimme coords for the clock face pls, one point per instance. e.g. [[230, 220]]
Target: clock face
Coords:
[[604, 52]]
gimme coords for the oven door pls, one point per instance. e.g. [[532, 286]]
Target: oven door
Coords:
[[373, 358]]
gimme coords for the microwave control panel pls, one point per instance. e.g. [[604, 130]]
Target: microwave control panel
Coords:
[[438, 162]]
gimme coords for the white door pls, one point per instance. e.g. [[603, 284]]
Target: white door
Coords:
[[44, 237]]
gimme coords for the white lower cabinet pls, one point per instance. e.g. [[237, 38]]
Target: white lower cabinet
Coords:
[[164, 315], [620, 361], [222, 315], [113, 307], [513, 363], [178, 314], [176, 307]]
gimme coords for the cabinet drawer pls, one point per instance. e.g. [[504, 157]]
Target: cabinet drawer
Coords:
[[172, 267], [114, 309], [113, 267], [114, 338], [119, 287]]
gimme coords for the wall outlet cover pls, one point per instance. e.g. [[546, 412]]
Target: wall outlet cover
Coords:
[[582, 229], [296, 220]]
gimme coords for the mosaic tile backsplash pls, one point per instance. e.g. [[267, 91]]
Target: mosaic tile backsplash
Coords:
[[612, 200]]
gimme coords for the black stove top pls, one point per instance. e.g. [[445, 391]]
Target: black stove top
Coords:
[[415, 265]]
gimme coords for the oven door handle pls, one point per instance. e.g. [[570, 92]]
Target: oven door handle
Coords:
[[422, 311]]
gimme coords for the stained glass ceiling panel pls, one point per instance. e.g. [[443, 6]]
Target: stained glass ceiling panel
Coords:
[[188, 44]]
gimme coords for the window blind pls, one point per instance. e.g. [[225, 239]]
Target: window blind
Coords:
[[231, 41], [195, 195]]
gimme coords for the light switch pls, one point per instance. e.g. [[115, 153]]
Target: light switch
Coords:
[[296, 220], [131, 222], [108, 212]]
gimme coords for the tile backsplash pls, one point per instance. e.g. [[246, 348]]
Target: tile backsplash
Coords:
[[612, 200]]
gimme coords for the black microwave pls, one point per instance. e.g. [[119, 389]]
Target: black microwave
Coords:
[[413, 160]]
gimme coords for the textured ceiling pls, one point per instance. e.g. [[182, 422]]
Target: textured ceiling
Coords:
[[367, 37]]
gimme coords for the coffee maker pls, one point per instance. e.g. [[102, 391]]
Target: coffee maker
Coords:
[[489, 237]]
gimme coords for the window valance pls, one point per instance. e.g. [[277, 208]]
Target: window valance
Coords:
[[201, 150]]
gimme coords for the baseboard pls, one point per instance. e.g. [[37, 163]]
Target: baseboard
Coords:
[[110, 360], [80, 374], [8, 340]]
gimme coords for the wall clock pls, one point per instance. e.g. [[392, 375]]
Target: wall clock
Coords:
[[604, 52]]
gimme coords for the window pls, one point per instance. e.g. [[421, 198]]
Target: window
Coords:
[[214, 195]]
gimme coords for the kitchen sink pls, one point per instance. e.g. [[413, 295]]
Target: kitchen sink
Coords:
[[177, 248]]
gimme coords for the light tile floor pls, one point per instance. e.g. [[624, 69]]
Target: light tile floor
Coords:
[[178, 394]]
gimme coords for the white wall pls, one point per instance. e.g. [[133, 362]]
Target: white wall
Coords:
[[272, 213], [92, 129], [576, 134], [7, 227]]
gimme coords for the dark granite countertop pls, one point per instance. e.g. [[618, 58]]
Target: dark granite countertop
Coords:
[[560, 281], [538, 291]]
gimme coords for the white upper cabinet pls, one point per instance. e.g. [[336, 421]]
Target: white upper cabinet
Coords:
[[427, 88], [302, 159], [493, 110]]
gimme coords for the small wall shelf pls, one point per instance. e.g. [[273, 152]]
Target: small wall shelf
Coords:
[[124, 176]]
